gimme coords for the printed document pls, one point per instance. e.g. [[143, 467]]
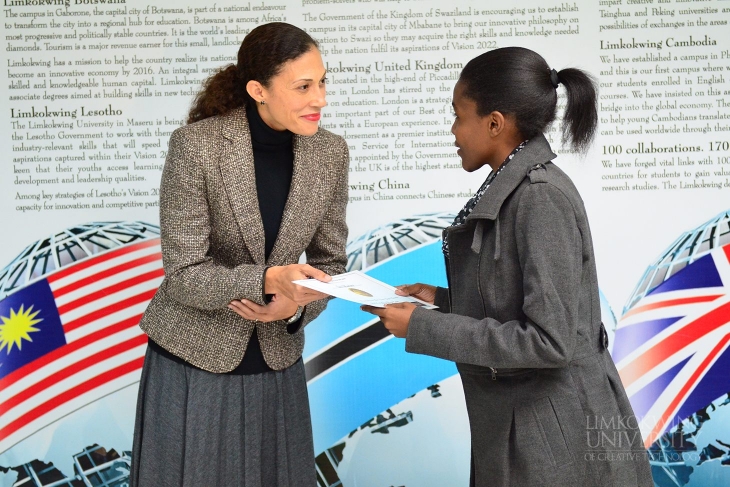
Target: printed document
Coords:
[[360, 288]]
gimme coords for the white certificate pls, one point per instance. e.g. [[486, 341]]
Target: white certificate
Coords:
[[361, 288]]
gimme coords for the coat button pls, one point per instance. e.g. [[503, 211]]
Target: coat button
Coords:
[[604, 337]]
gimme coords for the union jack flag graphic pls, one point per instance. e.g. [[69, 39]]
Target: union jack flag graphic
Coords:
[[69, 337], [672, 345]]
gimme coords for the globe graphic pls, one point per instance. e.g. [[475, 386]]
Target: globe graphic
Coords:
[[389, 240], [70, 246], [68, 409], [672, 353]]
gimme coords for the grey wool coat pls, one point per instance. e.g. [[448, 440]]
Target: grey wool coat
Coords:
[[213, 240], [521, 318]]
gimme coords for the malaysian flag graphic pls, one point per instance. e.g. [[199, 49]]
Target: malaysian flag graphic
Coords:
[[672, 345], [70, 336]]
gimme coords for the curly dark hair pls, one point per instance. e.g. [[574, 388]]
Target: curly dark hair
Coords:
[[261, 56], [519, 82]]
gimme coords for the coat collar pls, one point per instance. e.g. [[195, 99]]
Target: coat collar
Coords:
[[537, 150], [239, 176]]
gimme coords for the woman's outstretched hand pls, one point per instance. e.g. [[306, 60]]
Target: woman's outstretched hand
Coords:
[[424, 292], [279, 279]]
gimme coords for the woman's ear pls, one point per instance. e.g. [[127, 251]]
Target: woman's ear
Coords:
[[503, 126], [495, 123], [255, 90]]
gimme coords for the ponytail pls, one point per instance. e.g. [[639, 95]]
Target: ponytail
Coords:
[[221, 93], [518, 82], [581, 112]]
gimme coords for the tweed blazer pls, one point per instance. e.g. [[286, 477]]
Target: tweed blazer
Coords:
[[522, 320], [213, 240]]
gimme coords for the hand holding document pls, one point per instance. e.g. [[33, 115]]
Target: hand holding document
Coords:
[[361, 288]]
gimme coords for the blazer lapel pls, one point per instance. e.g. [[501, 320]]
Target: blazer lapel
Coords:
[[239, 176]]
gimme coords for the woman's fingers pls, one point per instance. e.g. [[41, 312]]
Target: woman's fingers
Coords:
[[395, 317], [242, 310], [255, 308], [280, 308], [424, 292], [313, 273], [300, 294], [304, 295], [279, 279], [373, 310], [248, 309], [405, 289]]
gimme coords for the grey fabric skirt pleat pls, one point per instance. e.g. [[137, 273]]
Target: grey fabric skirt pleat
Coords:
[[199, 429]]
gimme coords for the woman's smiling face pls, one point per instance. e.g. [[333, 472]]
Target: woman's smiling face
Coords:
[[294, 97]]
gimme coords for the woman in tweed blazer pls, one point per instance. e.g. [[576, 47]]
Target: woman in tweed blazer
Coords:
[[521, 316], [249, 186]]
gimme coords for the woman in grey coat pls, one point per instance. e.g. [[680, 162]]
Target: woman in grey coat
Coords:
[[521, 316]]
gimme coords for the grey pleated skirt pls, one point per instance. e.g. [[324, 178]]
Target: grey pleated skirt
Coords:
[[199, 429]]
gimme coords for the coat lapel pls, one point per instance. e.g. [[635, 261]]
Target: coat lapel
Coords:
[[537, 150], [239, 176]]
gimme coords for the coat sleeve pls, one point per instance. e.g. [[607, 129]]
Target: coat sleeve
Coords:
[[192, 276], [549, 248], [326, 251]]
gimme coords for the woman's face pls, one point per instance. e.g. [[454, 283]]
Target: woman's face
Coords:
[[295, 96], [471, 132]]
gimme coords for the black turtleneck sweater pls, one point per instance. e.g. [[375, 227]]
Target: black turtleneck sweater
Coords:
[[273, 159]]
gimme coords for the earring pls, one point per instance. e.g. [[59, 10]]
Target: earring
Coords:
[[262, 102]]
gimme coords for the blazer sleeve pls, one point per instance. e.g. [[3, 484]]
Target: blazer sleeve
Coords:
[[192, 276], [326, 251], [549, 247]]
